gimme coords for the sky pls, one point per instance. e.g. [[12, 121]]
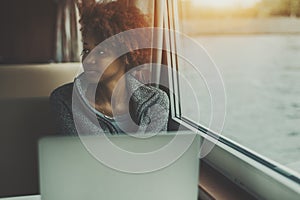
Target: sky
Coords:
[[225, 3]]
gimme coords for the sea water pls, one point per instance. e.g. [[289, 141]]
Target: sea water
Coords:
[[261, 74]]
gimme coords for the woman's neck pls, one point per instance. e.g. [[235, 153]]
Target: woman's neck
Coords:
[[104, 101], [106, 88]]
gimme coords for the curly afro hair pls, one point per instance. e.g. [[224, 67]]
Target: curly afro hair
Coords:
[[104, 20]]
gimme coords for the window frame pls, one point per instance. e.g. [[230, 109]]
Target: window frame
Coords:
[[260, 176]]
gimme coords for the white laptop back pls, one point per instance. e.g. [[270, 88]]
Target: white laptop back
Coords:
[[68, 171]]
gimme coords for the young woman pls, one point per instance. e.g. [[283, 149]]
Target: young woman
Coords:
[[135, 107]]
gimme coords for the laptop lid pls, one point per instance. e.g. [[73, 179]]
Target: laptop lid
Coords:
[[151, 168]]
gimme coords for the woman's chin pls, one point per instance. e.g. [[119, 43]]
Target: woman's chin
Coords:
[[92, 76]]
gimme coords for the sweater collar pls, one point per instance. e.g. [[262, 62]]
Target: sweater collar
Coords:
[[140, 94]]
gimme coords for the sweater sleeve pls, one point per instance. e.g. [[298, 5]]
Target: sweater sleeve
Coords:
[[61, 103], [157, 115]]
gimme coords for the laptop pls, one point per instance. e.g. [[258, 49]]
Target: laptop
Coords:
[[82, 168]]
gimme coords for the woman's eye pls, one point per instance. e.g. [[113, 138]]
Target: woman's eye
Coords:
[[85, 52]]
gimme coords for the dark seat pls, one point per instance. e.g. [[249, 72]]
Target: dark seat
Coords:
[[25, 117]]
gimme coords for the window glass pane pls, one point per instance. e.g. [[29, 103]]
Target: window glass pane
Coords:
[[256, 46]]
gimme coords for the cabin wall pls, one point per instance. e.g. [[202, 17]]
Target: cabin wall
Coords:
[[27, 31]]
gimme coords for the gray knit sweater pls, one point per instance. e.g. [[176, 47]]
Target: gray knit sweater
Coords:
[[149, 109]]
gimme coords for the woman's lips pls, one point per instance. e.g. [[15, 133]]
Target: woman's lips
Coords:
[[92, 73]]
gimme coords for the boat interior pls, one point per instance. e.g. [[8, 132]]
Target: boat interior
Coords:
[[30, 69]]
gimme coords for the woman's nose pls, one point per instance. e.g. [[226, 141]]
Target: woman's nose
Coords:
[[89, 59]]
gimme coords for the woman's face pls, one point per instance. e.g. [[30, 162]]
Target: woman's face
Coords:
[[95, 60]]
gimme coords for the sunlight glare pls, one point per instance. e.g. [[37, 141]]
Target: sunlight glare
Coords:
[[225, 3]]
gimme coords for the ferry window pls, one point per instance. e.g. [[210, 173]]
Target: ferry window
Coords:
[[255, 45]]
